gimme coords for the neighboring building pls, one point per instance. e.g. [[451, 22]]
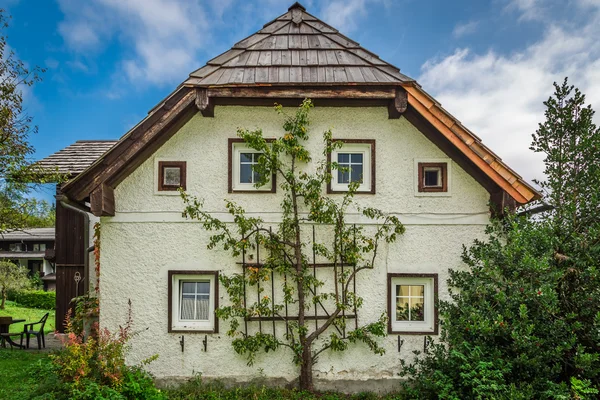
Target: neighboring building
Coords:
[[31, 248], [417, 161]]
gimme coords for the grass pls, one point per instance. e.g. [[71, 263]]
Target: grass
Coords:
[[14, 378], [28, 314]]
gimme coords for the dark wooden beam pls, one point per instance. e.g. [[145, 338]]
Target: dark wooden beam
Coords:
[[398, 105], [204, 103], [302, 92], [502, 203], [102, 201]]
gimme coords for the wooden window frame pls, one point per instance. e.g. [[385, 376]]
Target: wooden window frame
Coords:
[[436, 189], [390, 279], [230, 157], [215, 295], [371, 143], [182, 165]]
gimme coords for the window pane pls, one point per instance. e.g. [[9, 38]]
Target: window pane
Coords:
[[202, 305], [246, 157], [357, 173], [417, 290], [416, 309], [357, 158], [343, 176], [171, 176], [432, 177], [256, 176], [42, 247], [203, 288], [402, 309], [343, 158], [246, 173], [402, 290], [188, 287], [187, 307]]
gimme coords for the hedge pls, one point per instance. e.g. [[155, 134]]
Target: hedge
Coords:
[[35, 299]]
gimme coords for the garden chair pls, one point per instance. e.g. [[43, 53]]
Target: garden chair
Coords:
[[6, 336], [39, 333]]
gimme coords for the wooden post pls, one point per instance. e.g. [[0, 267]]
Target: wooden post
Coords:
[[398, 105], [204, 103]]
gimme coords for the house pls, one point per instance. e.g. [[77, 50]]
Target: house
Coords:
[[418, 162], [33, 249]]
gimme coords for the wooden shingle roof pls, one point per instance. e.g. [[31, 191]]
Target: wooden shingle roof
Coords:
[[296, 48], [76, 158]]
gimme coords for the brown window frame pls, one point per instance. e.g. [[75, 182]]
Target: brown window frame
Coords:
[[170, 301], [370, 142], [436, 189], [230, 143], [390, 277], [182, 165]]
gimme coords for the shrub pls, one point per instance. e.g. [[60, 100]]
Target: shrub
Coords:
[[96, 369], [35, 299]]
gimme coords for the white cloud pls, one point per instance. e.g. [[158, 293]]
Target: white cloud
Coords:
[[465, 29], [499, 97], [529, 9], [160, 38], [344, 15]]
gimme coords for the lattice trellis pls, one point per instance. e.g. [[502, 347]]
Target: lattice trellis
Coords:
[[319, 311]]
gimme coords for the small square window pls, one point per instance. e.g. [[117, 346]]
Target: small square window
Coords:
[[193, 299], [433, 177], [356, 163], [411, 303], [171, 175], [16, 247], [39, 247], [242, 176]]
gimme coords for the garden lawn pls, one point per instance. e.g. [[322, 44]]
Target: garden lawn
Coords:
[[28, 314], [15, 382]]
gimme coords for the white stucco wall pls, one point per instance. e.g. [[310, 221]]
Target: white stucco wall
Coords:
[[147, 237]]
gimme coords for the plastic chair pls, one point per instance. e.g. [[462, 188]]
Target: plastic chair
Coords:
[[39, 334]]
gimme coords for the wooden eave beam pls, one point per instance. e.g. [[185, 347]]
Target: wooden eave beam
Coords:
[[302, 92], [444, 124], [132, 145], [204, 103], [398, 105], [102, 201]]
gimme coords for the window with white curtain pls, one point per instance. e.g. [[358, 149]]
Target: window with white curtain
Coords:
[[193, 300]]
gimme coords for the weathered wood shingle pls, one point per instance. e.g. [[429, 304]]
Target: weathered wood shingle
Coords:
[[74, 159], [278, 53]]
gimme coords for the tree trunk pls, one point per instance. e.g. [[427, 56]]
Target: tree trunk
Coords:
[[306, 373], [3, 299]]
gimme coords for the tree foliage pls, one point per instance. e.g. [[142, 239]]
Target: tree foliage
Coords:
[[17, 211], [12, 277], [289, 249], [524, 320]]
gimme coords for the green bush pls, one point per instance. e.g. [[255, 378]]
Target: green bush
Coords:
[[35, 299]]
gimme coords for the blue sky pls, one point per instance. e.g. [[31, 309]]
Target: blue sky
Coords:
[[490, 63]]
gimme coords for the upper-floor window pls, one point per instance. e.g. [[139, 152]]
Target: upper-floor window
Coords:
[[355, 163], [17, 247], [242, 174], [39, 247], [432, 177], [171, 175]]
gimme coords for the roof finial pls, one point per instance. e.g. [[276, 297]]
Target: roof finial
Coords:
[[297, 5]]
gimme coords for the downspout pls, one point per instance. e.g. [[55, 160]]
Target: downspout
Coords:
[[67, 203]]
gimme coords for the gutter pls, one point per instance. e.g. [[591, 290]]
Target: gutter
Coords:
[[67, 203]]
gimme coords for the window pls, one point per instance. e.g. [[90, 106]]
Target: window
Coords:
[[16, 247], [39, 247], [433, 177], [171, 175], [242, 176], [193, 299], [356, 163], [411, 303]]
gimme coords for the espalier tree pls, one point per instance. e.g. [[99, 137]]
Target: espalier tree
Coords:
[[304, 205], [524, 320]]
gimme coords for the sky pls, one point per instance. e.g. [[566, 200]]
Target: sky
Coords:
[[490, 63]]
